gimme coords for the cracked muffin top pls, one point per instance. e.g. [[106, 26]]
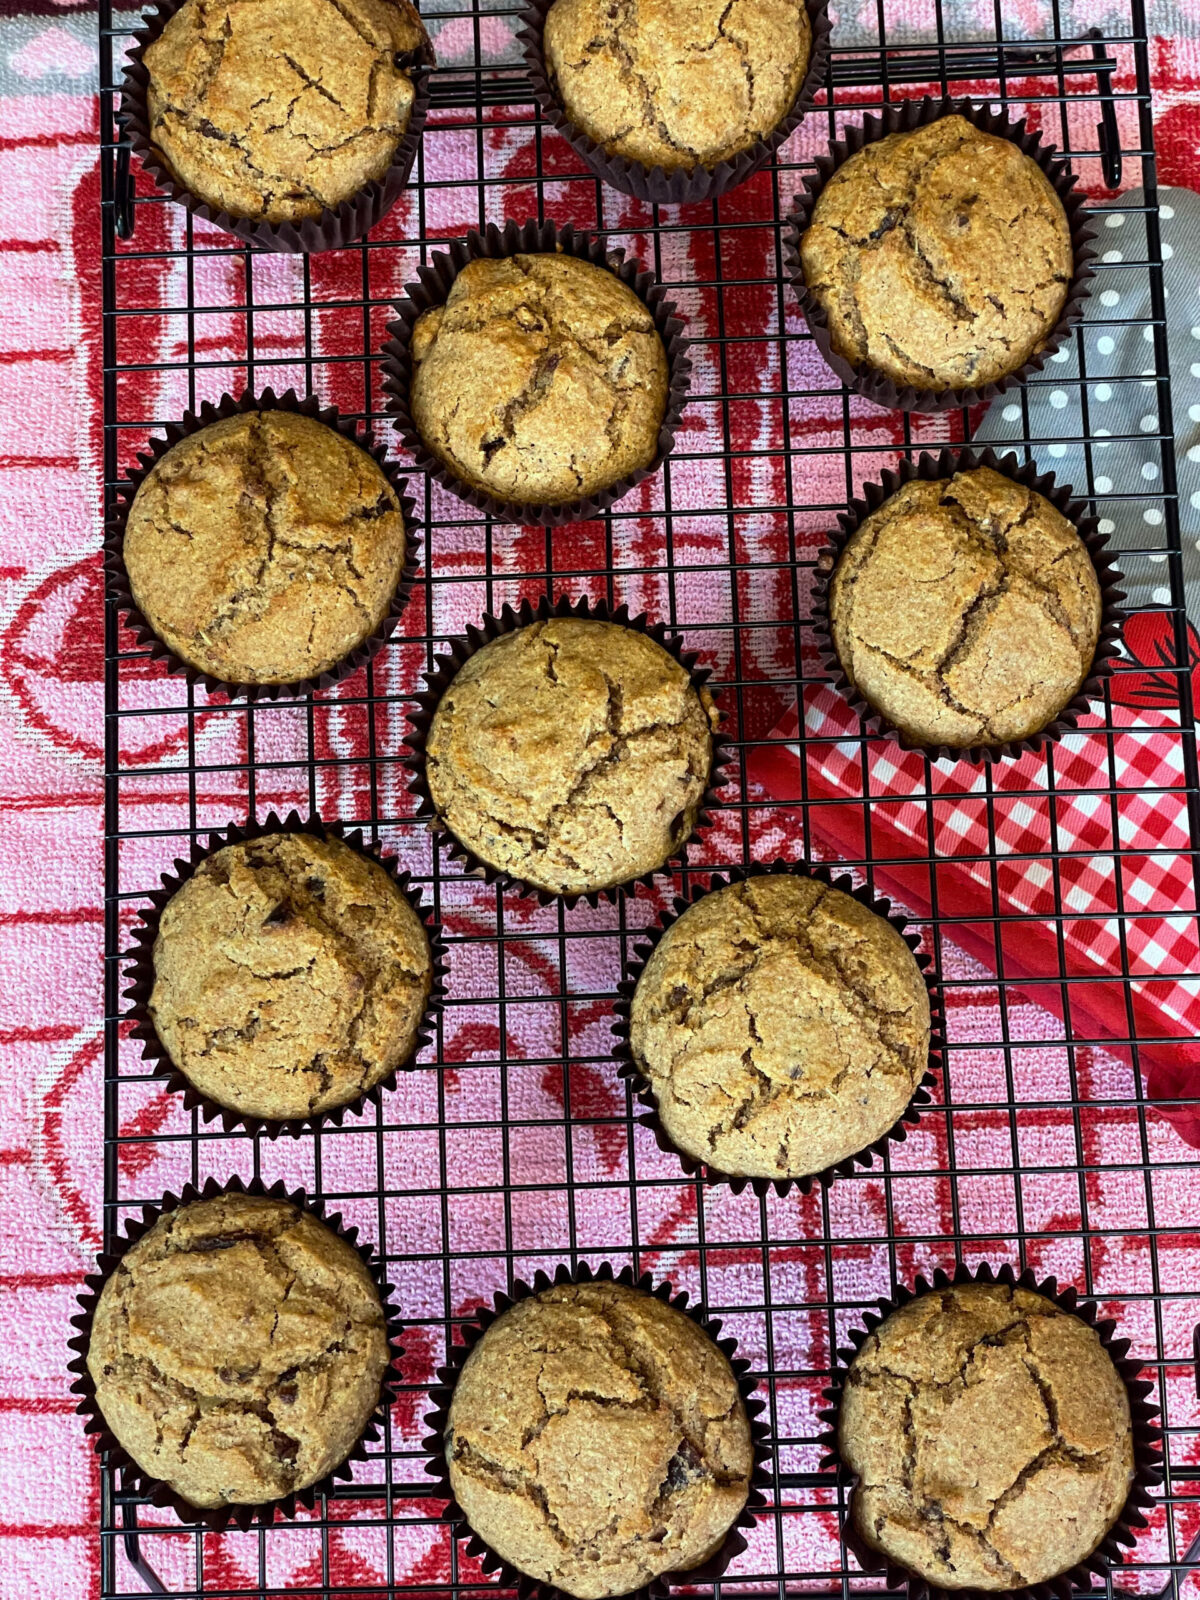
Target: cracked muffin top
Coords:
[[677, 85], [541, 379], [782, 1027], [290, 976], [941, 257], [966, 611], [265, 548], [597, 1438], [990, 1433], [238, 1350], [573, 754], [277, 109]]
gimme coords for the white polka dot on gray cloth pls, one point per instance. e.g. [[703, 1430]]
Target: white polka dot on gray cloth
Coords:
[[1129, 446]]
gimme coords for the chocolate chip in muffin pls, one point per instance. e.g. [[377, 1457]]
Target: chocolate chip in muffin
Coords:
[[781, 1026], [279, 109], [290, 976], [966, 610], [573, 754], [941, 257], [991, 1436], [677, 86], [265, 548], [238, 1350], [597, 1439], [542, 379]]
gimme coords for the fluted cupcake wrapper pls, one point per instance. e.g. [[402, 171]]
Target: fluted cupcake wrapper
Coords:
[[655, 184], [628, 1068], [135, 1478], [140, 973], [1147, 1440], [509, 620], [441, 1395], [122, 498], [337, 225], [930, 468], [905, 118], [432, 288]]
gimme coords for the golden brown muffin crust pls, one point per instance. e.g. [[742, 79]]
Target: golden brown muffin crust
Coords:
[[276, 109], [966, 610], [991, 1436], [265, 547], [597, 1438], [677, 83], [541, 379], [781, 1025], [238, 1350], [572, 753], [291, 975], [941, 257]]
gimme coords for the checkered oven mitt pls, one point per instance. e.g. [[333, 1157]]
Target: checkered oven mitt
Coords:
[[1121, 400]]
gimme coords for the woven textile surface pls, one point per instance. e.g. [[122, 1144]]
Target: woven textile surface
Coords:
[[1050, 881]]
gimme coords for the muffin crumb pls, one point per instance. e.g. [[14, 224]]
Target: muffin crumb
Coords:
[[677, 86], [781, 1025], [966, 610], [280, 109], [238, 1350], [941, 257], [991, 1436], [597, 1438], [542, 379]]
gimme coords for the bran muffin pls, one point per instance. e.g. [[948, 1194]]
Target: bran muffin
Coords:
[[966, 610], [542, 379], [781, 1025], [677, 86], [573, 754], [941, 257], [265, 548], [991, 1436], [277, 109], [597, 1438], [290, 976], [238, 1350]]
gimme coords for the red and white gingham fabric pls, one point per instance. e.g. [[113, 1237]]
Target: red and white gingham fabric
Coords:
[[51, 749]]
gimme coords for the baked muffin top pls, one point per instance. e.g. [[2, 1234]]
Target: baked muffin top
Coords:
[[238, 1350], [677, 85], [966, 610], [991, 1436], [264, 548], [277, 109], [541, 379], [781, 1025], [940, 257], [290, 975], [573, 754], [597, 1438]]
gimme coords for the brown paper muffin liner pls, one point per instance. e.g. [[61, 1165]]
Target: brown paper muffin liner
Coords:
[[122, 498], [1147, 1441], [905, 118], [439, 680], [141, 973], [1061, 496], [433, 287], [628, 1068], [655, 184], [134, 1479], [336, 226], [508, 1576]]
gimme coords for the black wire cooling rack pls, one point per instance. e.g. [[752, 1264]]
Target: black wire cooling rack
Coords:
[[515, 1146]]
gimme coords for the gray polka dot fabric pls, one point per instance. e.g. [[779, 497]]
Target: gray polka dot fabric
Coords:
[[1123, 414]]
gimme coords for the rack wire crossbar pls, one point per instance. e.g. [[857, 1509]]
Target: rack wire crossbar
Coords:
[[1055, 1141]]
